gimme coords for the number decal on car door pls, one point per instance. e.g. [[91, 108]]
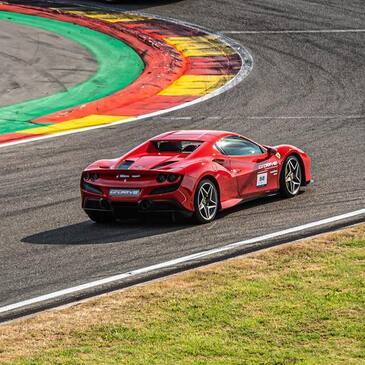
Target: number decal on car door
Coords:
[[261, 179]]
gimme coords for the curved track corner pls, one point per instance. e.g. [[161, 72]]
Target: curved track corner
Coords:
[[184, 65]]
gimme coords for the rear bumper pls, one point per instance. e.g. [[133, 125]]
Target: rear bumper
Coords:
[[123, 209], [156, 197]]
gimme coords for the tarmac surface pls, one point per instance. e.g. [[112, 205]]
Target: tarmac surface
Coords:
[[35, 63], [306, 89]]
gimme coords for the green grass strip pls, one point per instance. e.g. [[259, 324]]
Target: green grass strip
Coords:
[[118, 66], [303, 304]]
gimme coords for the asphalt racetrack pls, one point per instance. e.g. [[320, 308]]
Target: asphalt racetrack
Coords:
[[306, 89], [35, 63]]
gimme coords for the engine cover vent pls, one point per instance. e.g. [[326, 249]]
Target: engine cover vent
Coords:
[[163, 164], [125, 165]]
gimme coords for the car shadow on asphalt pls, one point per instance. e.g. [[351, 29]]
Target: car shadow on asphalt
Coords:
[[247, 205], [86, 233]]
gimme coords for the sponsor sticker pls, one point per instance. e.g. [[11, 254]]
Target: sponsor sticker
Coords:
[[261, 179], [267, 165]]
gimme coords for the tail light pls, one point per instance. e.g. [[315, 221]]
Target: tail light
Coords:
[[91, 176], [168, 177], [172, 177], [161, 178]]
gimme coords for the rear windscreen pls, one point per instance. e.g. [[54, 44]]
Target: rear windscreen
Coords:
[[177, 146]]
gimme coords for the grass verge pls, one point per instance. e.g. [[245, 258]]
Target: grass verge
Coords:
[[298, 304]]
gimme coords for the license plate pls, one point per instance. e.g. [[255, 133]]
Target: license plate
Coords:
[[124, 192]]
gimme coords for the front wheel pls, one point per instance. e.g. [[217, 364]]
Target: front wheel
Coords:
[[206, 201], [291, 177]]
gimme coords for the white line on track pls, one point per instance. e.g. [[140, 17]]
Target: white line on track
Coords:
[[293, 31], [176, 118], [310, 117], [180, 260], [243, 117]]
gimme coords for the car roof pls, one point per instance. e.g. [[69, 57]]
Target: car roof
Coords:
[[193, 135]]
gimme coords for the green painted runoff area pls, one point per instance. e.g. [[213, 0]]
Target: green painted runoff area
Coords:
[[118, 66]]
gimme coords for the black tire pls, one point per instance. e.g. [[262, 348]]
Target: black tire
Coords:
[[206, 201], [291, 177], [100, 217]]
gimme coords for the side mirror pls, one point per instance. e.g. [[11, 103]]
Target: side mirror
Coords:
[[271, 151]]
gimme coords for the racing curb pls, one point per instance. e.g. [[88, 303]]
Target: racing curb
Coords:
[[184, 65]]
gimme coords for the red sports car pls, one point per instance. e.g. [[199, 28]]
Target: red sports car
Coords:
[[194, 172]]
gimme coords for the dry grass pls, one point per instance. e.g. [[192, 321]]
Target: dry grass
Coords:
[[292, 304]]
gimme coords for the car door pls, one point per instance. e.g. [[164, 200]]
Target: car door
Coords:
[[249, 165], [267, 173]]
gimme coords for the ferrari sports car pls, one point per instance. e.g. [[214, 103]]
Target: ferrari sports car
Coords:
[[193, 172]]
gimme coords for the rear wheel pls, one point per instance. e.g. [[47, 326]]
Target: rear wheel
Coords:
[[206, 201], [291, 177], [100, 217]]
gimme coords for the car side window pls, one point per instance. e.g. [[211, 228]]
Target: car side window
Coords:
[[238, 146]]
